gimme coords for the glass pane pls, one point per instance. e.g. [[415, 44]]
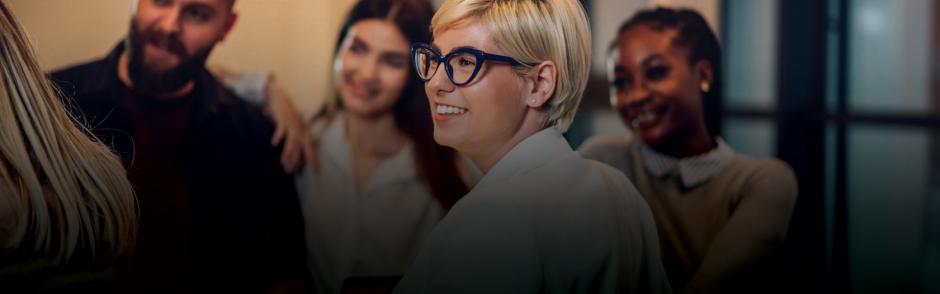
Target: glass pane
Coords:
[[751, 54], [829, 202], [890, 55], [756, 137], [891, 205]]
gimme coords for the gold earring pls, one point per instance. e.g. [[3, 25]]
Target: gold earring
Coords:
[[705, 86]]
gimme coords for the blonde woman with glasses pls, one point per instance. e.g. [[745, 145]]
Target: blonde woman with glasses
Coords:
[[504, 79], [67, 210]]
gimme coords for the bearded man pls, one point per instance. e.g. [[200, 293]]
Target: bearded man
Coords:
[[217, 213]]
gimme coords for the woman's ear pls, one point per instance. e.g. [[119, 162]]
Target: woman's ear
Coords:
[[705, 74], [543, 80]]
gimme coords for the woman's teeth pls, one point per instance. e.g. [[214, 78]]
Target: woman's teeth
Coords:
[[643, 118], [446, 109]]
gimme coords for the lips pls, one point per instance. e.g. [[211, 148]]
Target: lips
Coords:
[[165, 42], [646, 117], [160, 51], [448, 110], [359, 88], [361, 92], [444, 112]]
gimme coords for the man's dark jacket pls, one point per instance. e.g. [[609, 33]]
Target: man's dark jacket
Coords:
[[246, 226]]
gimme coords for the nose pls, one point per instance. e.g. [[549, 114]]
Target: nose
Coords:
[[439, 83], [638, 95], [368, 71], [169, 22]]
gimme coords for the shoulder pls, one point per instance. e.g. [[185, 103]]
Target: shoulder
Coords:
[[599, 210], [762, 167], [619, 202], [618, 151], [597, 171], [254, 114], [221, 119], [590, 182], [71, 78], [77, 71], [607, 180], [244, 114], [763, 174], [602, 145]]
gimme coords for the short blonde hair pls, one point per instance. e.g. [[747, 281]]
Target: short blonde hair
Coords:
[[534, 31]]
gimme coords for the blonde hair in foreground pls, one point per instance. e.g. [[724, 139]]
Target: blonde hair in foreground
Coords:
[[67, 195], [533, 31]]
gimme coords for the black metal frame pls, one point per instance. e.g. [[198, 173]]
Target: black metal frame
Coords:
[[801, 119]]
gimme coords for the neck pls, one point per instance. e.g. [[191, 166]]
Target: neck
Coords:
[[700, 142], [374, 135], [125, 76], [485, 156]]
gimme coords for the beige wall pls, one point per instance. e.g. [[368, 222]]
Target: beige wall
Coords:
[[65, 32], [291, 38]]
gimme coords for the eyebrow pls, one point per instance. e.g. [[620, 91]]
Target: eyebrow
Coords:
[[393, 54], [650, 59], [465, 47], [357, 39], [209, 8], [438, 49], [362, 41]]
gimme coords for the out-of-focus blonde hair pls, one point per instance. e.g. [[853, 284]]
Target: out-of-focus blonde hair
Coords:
[[533, 31], [66, 195]]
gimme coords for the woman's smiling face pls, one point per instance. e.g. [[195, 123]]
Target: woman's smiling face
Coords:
[[490, 109], [656, 89], [372, 67]]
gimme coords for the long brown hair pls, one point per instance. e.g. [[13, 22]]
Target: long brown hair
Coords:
[[437, 164], [67, 195]]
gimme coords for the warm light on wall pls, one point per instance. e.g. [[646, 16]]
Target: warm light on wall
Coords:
[[291, 38]]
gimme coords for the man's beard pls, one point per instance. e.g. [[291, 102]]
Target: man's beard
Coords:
[[150, 80]]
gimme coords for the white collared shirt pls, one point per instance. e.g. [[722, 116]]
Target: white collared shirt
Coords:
[[543, 220], [692, 170], [375, 232]]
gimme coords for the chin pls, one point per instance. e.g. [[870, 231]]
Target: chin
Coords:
[[156, 69], [651, 140], [365, 112], [444, 138], [654, 136]]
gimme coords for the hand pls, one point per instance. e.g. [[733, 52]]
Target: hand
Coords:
[[290, 130]]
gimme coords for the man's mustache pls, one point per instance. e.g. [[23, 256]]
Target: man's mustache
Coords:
[[169, 42]]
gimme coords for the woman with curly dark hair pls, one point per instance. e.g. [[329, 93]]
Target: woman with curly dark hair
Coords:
[[720, 215]]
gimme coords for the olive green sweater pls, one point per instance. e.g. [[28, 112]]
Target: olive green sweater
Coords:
[[717, 232]]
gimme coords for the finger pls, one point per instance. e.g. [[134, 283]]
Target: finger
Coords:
[[279, 133], [289, 164], [285, 163], [288, 156], [296, 160]]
